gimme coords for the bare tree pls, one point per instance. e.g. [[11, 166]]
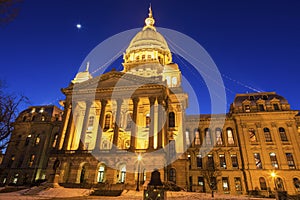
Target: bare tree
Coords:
[[9, 10], [210, 174], [9, 104]]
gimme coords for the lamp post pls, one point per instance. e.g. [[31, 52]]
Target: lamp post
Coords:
[[139, 158]]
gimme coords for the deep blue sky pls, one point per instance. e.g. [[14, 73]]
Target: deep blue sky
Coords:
[[255, 42]]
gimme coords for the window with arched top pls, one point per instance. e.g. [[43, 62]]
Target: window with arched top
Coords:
[[207, 136], [197, 137], [252, 135], [267, 134], [122, 175], [262, 183], [296, 184], [171, 119], [101, 173], [230, 138], [172, 175], [283, 135], [279, 184], [219, 138]]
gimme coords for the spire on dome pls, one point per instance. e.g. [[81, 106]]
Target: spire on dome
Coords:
[[87, 66], [150, 20]]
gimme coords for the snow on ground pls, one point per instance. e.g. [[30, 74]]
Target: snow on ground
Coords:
[[66, 193]]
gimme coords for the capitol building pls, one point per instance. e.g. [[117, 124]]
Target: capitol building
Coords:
[[116, 128]]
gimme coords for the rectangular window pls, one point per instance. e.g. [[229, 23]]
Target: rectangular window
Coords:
[[222, 161], [290, 160], [225, 183], [273, 159], [261, 107], [90, 124], [200, 181], [275, 106], [210, 161], [257, 161], [234, 161], [199, 161], [187, 138], [247, 108], [238, 184]]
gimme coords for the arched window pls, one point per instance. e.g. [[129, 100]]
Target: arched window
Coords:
[[279, 184], [197, 137], [252, 135], [107, 122], [296, 184], [122, 175], [172, 175], [55, 140], [101, 173], [282, 134], [207, 136], [171, 119], [230, 139], [82, 174], [262, 183], [219, 139], [267, 133], [43, 118]]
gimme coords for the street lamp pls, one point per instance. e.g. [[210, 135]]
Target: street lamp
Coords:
[[139, 158]]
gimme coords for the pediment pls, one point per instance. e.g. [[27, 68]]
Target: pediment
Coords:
[[116, 79]]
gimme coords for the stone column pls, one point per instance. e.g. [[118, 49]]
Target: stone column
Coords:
[[116, 127], [101, 125], [66, 116], [84, 125], [166, 119], [134, 125], [151, 129], [67, 138], [160, 119]]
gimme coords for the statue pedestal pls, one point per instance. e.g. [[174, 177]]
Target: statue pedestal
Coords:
[[53, 181], [159, 194]]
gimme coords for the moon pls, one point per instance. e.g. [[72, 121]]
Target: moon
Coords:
[[78, 26]]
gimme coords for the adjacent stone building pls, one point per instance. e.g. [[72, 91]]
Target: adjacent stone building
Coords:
[[35, 133]]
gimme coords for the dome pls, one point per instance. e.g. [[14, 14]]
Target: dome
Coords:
[[148, 38], [148, 45]]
